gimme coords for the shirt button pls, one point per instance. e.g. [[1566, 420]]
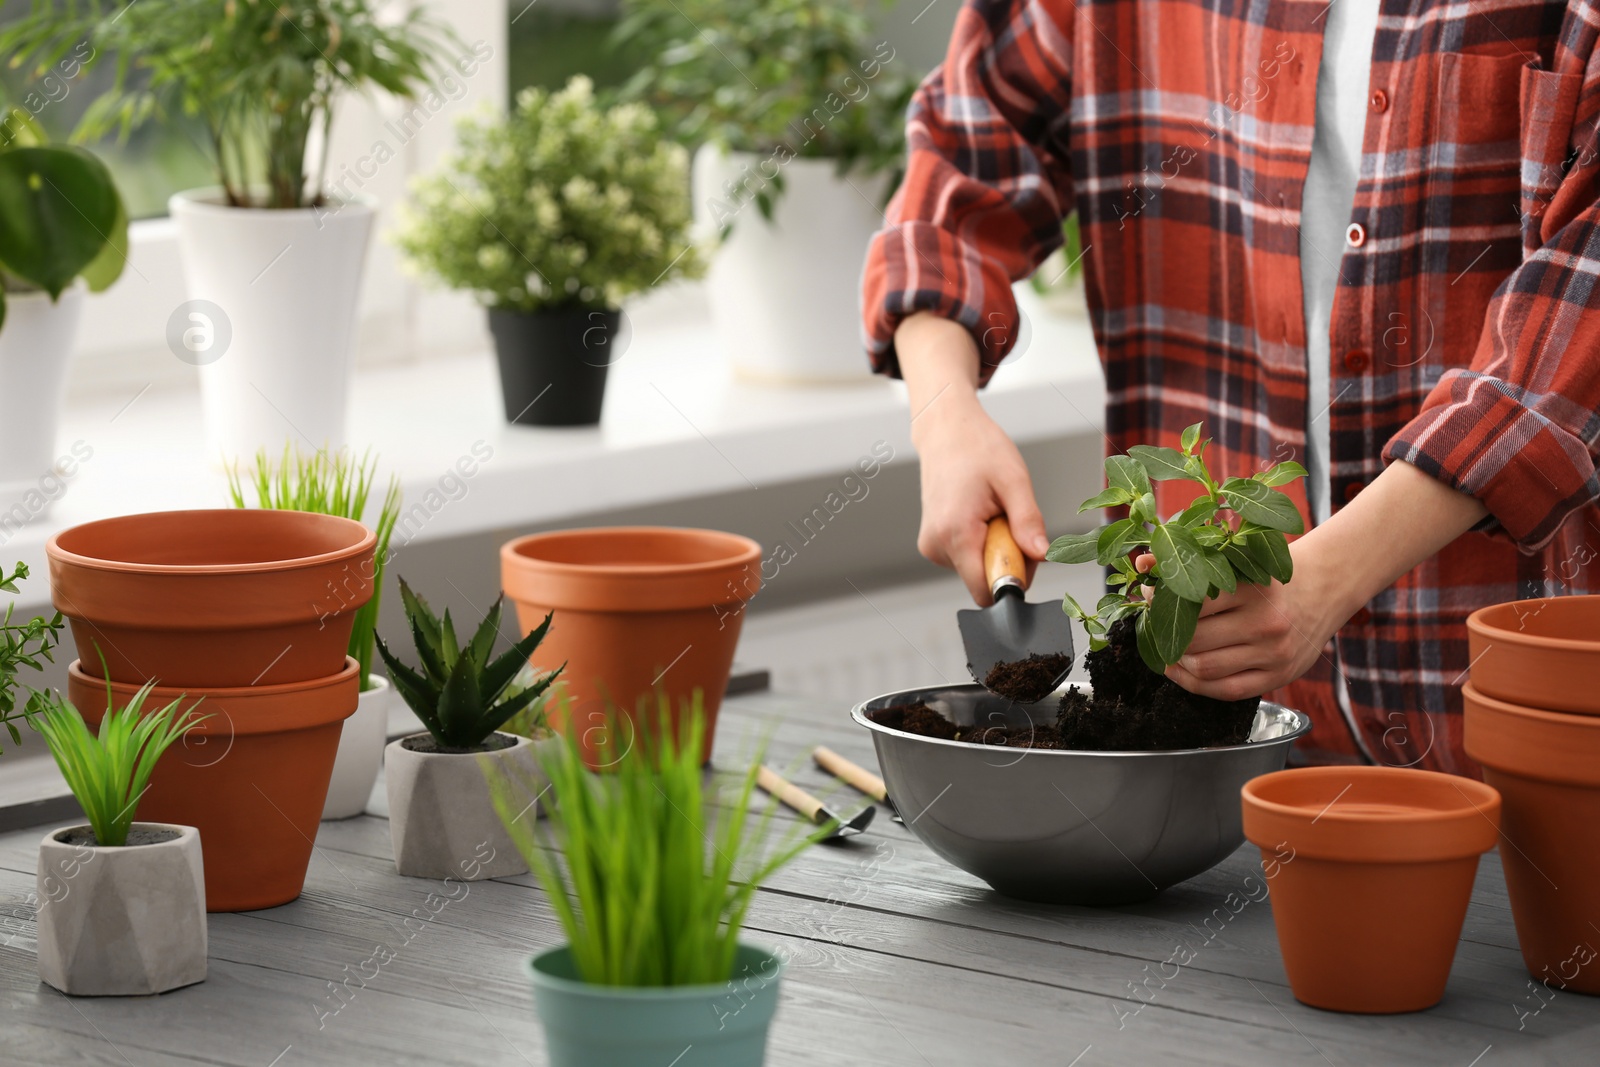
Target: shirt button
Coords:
[[1356, 361], [1350, 491], [1380, 101], [1355, 235]]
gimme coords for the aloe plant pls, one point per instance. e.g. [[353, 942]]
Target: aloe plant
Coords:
[[110, 772], [1234, 531], [461, 695]]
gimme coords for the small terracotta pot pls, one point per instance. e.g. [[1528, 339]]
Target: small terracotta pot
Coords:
[[1372, 870], [252, 778], [637, 608], [219, 599], [1547, 767], [1542, 653]]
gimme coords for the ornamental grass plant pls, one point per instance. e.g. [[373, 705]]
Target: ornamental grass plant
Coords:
[[650, 871]]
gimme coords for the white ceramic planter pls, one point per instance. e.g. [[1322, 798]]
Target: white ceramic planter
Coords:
[[785, 294], [361, 743], [127, 921], [442, 823], [289, 284], [35, 344]]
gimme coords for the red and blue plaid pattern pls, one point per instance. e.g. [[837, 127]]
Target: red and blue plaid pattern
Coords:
[[1466, 327]]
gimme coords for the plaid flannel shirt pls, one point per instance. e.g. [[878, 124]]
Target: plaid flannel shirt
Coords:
[[1466, 325]]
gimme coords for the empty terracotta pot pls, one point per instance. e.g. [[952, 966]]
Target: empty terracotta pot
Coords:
[[1542, 653], [636, 608], [1546, 765], [251, 778], [219, 599], [1372, 870]]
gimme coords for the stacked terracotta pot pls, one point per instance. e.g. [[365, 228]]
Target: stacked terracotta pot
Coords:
[[1533, 721], [246, 613]]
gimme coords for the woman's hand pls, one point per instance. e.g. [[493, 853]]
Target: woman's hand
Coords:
[[971, 471]]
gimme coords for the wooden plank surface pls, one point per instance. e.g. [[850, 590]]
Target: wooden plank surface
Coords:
[[894, 958]]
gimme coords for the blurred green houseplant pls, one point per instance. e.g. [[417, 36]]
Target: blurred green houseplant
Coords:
[[28, 644], [262, 75]]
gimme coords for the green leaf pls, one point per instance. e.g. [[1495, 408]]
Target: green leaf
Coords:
[[1106, 498], [1144, 509], [1269, 548], [1191, 436], [1280, 474], [1197, 512], [1245, 563], [1171, 621], [1073, 609], [1109, 602], [108, 265], [1124, 472], [1222, 574], [1208, 536], [1161, 464], [58, 208], [1144, 634], [1074, 548], [503, 670], [1117, 539], [1255, 502], [1181, 562]]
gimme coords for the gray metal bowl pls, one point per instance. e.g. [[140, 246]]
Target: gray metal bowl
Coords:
[[1070, 827]]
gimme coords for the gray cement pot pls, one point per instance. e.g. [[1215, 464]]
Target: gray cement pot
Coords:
[[441, 821], [126, 921]]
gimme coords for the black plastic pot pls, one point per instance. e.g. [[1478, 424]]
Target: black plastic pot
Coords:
[[553, 363]]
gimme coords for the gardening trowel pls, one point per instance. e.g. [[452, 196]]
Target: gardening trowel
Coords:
[[809, 806], [1011, 629]]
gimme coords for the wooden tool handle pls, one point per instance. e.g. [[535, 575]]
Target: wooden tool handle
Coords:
[[1003, 562], [859, 777], [790, 794]]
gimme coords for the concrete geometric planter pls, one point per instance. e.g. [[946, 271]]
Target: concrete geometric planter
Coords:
[[441, 821], [126, 921]]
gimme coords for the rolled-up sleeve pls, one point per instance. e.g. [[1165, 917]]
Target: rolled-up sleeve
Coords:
[[987, 180], [1518, 426]]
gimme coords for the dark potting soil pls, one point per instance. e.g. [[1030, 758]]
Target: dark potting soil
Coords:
[[1027, 680], [1133, 709], [426, 743], [84, 835]]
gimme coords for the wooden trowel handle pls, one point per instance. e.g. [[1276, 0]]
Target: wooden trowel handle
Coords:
[[790, 794], [1003, 562], [859, 777]]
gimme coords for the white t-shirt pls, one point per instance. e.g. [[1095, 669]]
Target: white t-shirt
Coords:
[[1330, 190]]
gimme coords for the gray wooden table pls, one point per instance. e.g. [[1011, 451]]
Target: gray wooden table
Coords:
[[895, 958]]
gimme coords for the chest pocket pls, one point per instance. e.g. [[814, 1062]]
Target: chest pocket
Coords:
[[1473, 162], [1549, 102]]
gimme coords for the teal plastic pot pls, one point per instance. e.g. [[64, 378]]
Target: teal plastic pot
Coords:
[[719, 1025]]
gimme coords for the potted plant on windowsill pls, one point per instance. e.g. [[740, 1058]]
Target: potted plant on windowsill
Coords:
[[26, 644], [122, 904], [800, 148], [339, 484], [441, 821], [552, 216], [271, 247], [655, 879], [63, 230]]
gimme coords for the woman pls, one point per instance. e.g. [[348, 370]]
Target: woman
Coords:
[[1366, 244]]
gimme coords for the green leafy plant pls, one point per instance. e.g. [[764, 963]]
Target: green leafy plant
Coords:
[[109, 773], [61, 217], [329, 483], [1063, 269], [562, 204], [262, 75], [657, 872], [1233, 531], [26, 644], [460, 695], [781, 78]]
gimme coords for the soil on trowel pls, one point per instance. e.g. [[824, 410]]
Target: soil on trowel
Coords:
[[1132, 710], [1027, 680]]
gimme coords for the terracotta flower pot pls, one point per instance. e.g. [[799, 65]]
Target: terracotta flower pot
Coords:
[[1372, 870], [636, 608], [1542, 653], [219, 599], [252, 778], [1547, 767]]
